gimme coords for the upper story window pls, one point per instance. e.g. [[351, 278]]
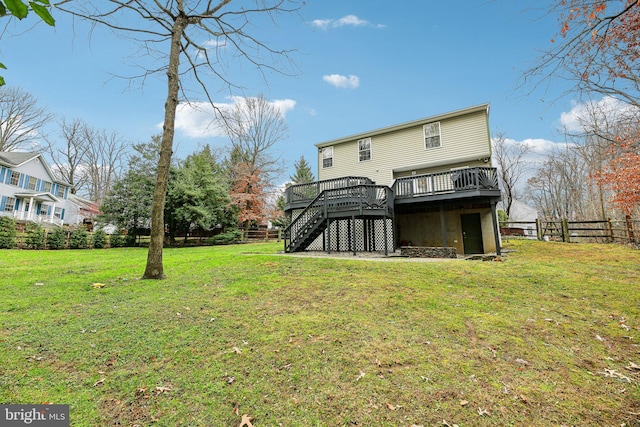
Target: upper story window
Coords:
[[15, 178], [10, 204], [327, 157], [364, 149], [32, 183], [432, 135], [47, 187], [61, 191]]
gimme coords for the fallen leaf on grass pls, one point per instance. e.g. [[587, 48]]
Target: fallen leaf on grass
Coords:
[[482, 412], [39, 284], [612, 373], [464, 402], [246, 421], [632, 366], [360, 376], [160, 389], [522, 361], [230, 380], [99, 382], [98, 285], [393, 407], [237, 350], [445, 423]]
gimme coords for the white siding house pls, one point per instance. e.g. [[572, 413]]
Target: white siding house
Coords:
[[30, 192]]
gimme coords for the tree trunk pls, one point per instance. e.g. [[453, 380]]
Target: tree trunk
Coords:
[[154, 269]]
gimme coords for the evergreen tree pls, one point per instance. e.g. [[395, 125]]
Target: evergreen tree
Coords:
[[303, 174]]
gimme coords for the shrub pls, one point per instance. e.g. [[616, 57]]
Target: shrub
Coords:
[[116, 240], [34, 236], [78, 239], [230, 236], [99, 240], [7, 232], [57, 239]]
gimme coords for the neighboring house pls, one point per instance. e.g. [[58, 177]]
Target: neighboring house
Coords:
[[428, 182], [523, 217], [81, 211], [30, 192]]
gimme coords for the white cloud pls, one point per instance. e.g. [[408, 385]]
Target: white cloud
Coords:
[[345, 21], [582, 114], [198, 119], [337, 80]]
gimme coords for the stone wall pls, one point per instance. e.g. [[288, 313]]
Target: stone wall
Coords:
[[427, 252]]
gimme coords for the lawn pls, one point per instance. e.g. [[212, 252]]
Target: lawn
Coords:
[[548, 336]]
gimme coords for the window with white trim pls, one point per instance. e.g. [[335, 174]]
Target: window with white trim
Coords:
[[432, 135], [32, 182], [364, 149], [57, 213], [10, 204], [61, 191], [327, 157], [47, 187], [15, 178]]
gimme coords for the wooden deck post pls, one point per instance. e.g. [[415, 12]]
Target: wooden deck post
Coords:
[[496, 228]]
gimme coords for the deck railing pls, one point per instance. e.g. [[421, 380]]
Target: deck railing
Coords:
[[300, 193], [468, 179]]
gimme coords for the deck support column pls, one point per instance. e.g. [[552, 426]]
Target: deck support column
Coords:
[[496, 230], [353, 234], [328, 231], [386, 240], [443, 226]]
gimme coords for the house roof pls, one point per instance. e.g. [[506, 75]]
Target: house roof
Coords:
[[38, 196], [451, 114], [13, 159]]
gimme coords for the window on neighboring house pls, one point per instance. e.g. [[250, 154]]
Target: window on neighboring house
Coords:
[[58, 213], [327, 157], [364, 149], [47, 187], [61, 191], [10, 204], [432, 135], [44, 210], [32, 183], [15, 178]]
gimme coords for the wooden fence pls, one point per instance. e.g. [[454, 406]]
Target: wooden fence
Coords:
[[601, 231]]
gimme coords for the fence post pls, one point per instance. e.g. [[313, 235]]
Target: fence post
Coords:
[[610, 230], [630, 234], [565, 231]]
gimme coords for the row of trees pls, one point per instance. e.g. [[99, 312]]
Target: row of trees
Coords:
[[596, 173]]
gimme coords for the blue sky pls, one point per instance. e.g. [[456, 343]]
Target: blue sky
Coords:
[[359, 65]]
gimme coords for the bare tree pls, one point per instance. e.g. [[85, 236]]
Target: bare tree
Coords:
[[254, 126], [196, 32], [87, 158], [21, 120], [68, 156], [595, 48], [509, 158], [104, 161]]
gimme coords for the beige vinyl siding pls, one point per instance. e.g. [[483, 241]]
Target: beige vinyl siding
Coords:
[[464, 137]]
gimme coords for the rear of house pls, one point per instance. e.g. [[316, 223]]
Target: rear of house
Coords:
[[442, 190]]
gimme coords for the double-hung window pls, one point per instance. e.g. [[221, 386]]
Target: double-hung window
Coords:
[[15, 178], [327, 157], [61, 191], [10, 204], [432, 135], [47, 187], [364, 149], [32, 182]]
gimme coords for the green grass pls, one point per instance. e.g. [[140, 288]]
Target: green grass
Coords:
[[547, 337]]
